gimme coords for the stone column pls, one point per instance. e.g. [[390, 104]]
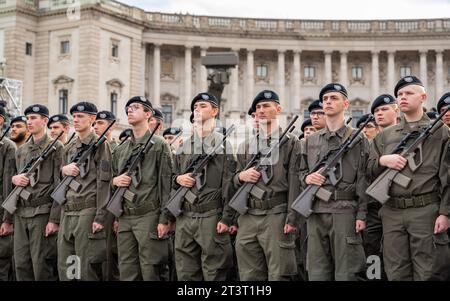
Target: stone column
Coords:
[[250, 78], [328, 76], [234, 85], [423, 68], [280, 77], [156, 75], [375, 75], [297, 97], [343, 72], [439, 77], [203, 73], [187, 81], [391, 73]]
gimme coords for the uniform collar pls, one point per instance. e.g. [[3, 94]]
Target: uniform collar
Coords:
[[328, 134], [41, 143], [86, 141], [407, 127]]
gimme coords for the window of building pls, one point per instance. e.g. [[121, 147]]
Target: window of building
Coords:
[[261, 71], [356, 115], [65, 47], [357, 73], [167, 114], [309, 72], [28, 49], [115, 50], [405, 71], [167, 68], [63, 101], [114, 97]]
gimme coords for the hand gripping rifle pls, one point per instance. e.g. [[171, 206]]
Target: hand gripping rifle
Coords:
[[196, 168], [239, 200], [59, 194], [379, 189], [330, 164], [115, 203], [10, 203]]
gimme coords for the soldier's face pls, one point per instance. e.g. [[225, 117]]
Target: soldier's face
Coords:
[[136, 114], [267, 111], [36, 123], [203, 110], [100, 126], [82, 121], [2, 121], [386, 115], [309, 130], [446, 118], [153, 123], [370, 130], [334, 103], [255, 121], [56, 128], [411, 98], [318, 118], [18, 131]]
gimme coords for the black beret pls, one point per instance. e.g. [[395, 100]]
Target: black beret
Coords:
[[333, 87], [191, 118], [363, 119], [3, 112], [204, 97], [316, 104], [306, 122], [37, 109], [265, 95], [126, 133], [18, 119], [383, 99], [171, 131], [251, 111], [139, 99], [158, 114], [84, 107], [58, 118], [406, 81], [443, 102], [105, 115], [432, 115]]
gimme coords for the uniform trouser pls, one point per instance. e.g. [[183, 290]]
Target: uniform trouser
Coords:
[[34, 254], [410, 249], [112, 267], [335, 251], [373, 234], [263, 251], [301, 243], [200, 252], [81, 254], [142, 256], [172, 266], [6, 258]]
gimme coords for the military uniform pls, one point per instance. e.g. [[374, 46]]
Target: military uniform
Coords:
[[335, 251], [142, 255], [35, 254], [200, 252], [7, 170], [410, 248], [82, 209], [263, 251]]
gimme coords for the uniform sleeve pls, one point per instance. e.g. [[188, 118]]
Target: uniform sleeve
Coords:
[[294, 181], [241, 163], [303, 164], [374, 169], [164, 182], [444, 174], [55, 211], [9, 170], [361, 180], [103, 182], [228, 189]]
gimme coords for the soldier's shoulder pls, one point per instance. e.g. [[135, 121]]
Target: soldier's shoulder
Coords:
[[7, 144], [314, 137]]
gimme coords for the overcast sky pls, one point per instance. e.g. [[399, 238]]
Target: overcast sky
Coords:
[[290, 9]]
